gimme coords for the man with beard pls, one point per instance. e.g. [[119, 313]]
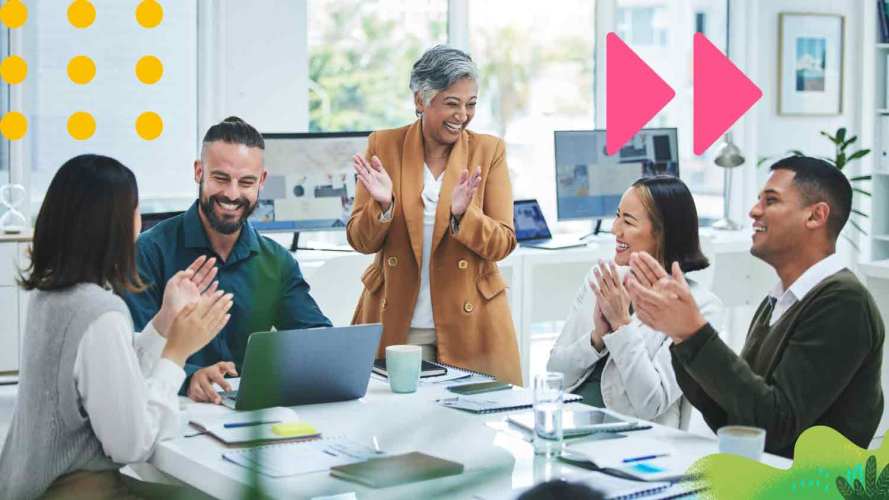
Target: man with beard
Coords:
[[814, 348], [268, 287]]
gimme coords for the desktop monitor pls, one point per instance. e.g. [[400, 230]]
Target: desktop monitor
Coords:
[[589, 183], [311, 183]]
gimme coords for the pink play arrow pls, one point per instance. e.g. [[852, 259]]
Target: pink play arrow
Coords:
[[634, 93], [722, 93]]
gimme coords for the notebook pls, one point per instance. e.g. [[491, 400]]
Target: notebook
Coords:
[[216, 426], [615, 488], [288, 459], [624, 456], [397, 469], [494, 402], [427, 369]]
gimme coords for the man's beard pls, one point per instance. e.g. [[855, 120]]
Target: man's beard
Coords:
[[224, 226]]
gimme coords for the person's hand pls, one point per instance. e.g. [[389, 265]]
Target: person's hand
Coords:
[[375, 179], [611, 295], [201, 388], [667, 305], [195, 325], [186, 287], [465, 190], [600, 328]]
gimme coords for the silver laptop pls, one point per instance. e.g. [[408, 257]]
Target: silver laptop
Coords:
[[531, 229], [298, 367]]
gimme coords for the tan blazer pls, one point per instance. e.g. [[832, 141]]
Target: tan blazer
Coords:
[[473, 324]]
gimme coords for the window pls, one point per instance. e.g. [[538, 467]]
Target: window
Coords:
[[661, 33], [536, 68], [360, 60], [114, 97]]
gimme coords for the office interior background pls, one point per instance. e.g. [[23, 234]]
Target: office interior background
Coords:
[[289, 66]]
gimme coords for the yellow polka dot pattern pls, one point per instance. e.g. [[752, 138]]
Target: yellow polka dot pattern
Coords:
[[81, 125], [81, 14], [14, 14], [149, 70], [13, 125], [149, 125], [13, 70], [149, 13], [81, 70]]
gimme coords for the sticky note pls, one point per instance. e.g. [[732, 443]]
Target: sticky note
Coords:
[[294, 429]]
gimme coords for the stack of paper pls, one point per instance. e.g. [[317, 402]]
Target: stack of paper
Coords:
[[221, 426]]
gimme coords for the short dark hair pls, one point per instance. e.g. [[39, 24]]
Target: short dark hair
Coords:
[[819, 181], [675, 221], [559, 489], [84, 231], [234, 130]]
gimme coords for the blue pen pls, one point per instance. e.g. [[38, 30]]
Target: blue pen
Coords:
[[646, 457], [234, 425]]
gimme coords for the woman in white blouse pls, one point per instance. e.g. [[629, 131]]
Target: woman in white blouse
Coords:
[[606, 354], [93, 397]]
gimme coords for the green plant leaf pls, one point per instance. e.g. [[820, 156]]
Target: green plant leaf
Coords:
[[859, 190], [860, 178], [856, 226], [832, 138], [870, 476], [841, 135], [858, 154], [850, 141], [858, 488], [841, 160], [796, 152], [844, 488], [859, 212], [883, 481]]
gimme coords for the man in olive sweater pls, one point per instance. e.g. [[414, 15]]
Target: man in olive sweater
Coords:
[[814, 349]]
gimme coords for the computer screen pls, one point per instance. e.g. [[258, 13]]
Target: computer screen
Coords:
[[589, 183], [311, 183]]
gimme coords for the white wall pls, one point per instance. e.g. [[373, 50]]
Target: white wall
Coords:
[[254, 63]]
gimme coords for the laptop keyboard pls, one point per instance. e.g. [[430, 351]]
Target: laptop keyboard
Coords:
[[229, 394]]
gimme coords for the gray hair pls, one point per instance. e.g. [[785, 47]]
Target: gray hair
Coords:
[[438, 68]]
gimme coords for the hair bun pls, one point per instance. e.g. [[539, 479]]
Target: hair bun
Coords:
[[233, 119]]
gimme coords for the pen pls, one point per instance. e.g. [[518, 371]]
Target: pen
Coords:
[[233, 425], [646, 457]]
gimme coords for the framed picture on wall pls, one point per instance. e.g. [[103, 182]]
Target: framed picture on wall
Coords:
[[810, 64]]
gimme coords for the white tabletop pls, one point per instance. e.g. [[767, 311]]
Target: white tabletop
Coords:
[[498, 462]]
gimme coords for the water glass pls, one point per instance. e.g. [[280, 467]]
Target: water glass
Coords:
[[549, 397]]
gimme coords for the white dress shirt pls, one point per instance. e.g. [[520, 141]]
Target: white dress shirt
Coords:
[[128, 391], [785, 299], [422, 317], [638, 378]]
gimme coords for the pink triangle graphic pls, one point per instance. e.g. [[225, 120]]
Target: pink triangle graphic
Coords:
[[722, 93], [634, 93]]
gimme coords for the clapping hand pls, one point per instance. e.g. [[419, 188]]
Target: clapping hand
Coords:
[[663, 301], [465, 190], [186, 287], [375, 179], [612, 297]]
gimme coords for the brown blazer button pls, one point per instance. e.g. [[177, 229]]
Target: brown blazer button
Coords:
[[392, 261], [462, 264], [467, 307]]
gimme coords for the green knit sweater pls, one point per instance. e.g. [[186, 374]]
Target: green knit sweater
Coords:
[[818, 365]]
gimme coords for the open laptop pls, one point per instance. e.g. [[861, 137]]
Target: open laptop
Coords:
[[298, 367], [531, 229]]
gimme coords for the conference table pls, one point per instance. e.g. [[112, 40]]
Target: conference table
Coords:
[[499, 461]]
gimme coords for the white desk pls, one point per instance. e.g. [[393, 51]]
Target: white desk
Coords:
[[497, 462]]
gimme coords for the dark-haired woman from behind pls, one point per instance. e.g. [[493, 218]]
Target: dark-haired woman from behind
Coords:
[[606, 354], [92, 396]]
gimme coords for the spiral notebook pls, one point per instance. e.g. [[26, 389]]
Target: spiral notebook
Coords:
[[495, 402], [615, 488], [288, 459]]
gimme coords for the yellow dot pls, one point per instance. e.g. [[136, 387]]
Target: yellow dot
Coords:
[[14, 125], [14, 69], [81, 13], [81, 69], [149, 125], [14, 14], [149, 13], [81, 125], [149, 70]]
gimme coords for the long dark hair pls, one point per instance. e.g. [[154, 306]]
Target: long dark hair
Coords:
[[674, 220], [84, 232]]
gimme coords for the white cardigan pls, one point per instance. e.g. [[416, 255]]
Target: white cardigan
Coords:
[[638, 378]]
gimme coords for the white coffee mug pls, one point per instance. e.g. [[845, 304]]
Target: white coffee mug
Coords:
[[742, 440], [403, 367]]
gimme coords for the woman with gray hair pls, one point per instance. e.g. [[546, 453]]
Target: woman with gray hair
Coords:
[[434, 203]]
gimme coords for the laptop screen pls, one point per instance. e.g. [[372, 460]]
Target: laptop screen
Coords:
[[529, 221]]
